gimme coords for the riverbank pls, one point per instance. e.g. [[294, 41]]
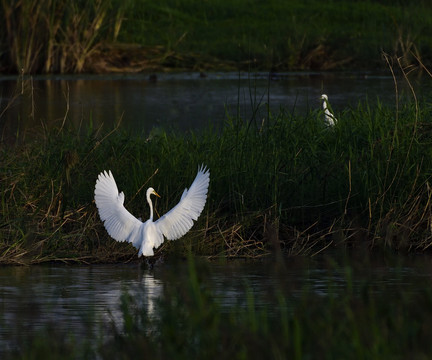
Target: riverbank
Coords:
[[111, 36]]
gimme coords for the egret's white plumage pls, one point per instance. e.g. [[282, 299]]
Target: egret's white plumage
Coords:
[[123, 226], [330, 119]]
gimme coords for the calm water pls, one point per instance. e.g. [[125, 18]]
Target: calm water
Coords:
[[71, 297], [181, 101]]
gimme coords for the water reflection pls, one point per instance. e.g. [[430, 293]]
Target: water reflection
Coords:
[[74, 299], [79, 299], [182, 101]]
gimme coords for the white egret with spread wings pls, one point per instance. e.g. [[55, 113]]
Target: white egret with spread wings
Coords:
[[146, 236]]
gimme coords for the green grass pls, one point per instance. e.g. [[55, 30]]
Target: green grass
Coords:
[[285, 34]]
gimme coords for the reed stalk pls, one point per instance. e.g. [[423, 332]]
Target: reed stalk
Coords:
[[56, 36]]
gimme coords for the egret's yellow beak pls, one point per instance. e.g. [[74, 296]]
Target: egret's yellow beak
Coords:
[[155, 193]]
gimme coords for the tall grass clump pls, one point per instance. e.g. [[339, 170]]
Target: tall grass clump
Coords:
[[371, 170], [55, 36]]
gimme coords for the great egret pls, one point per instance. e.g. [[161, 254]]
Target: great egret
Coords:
[[123, 226], [330, 119]]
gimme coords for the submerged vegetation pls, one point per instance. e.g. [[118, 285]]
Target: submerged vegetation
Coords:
[[45, 36], [281, 183]]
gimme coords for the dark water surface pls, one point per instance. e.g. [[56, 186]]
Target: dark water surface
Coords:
[[75, 299], [182, 101]]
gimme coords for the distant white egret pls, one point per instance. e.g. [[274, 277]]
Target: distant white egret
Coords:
[[123, 226], [330, 119]]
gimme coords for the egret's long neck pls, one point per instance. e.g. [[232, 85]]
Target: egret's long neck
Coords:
[[151, 207], [325, 105]]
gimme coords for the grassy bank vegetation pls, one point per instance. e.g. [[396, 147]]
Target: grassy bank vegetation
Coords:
[[109, 35], [282, 35], [283, 183], [354, 320]]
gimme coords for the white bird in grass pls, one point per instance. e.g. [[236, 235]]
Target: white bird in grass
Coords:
[[123, 226], [330, 119]]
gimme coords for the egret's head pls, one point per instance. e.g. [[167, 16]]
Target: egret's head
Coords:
[[151, 191], [324, 97]]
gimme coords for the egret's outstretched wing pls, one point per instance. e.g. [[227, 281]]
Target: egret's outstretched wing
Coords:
[[177, 222], [120, 223]]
